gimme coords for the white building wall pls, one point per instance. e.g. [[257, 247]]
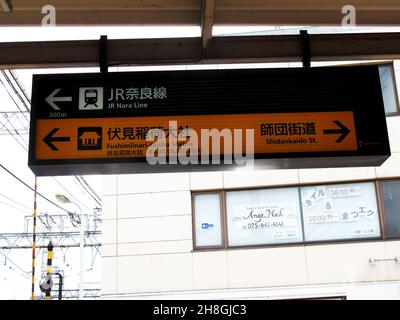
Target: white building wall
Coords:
[[148, 252]]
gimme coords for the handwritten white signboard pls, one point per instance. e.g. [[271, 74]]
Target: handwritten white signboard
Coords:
[[340, 212], [264, 216]]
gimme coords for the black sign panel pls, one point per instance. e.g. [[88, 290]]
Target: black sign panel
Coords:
[[302, 118]]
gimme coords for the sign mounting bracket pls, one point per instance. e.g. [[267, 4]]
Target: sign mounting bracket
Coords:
[[305, 43], [103, 54]]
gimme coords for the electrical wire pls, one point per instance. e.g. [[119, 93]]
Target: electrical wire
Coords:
[[15, 90], [8, 120], [11, 122], [11, 206], [84, 191], [83, 186], [29, 187], [23, 147], [15, 102], [15, 77], [90, 188], [14, 117], [15, 112], [72, 196], [16, 202], [25, 273], [12, 277]]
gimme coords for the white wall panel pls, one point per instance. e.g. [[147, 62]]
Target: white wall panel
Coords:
[[110, 184], [206, 180], [393, 124], [345, 263], [390, 168], [108, 250], [392, 251], [159, 247], [154, 204], [210, 270], [109, 275], [109, 231], [259, 178], [336, 174], [155, 229], [141, 183], [267, 267], [109, 207], [155, 273]]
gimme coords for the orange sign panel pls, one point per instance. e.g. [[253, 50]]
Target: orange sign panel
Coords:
[[104, 138]]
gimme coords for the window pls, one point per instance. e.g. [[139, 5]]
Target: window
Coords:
[[305, 214], [342, 211], [208, 230], [266, 216], [391, 199], [388, 86]]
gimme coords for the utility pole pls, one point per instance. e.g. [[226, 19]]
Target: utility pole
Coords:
[[64, 199], [49, 267], [34, 241]]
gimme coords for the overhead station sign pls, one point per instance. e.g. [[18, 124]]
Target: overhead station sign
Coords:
[[293, 118], [126, 137]]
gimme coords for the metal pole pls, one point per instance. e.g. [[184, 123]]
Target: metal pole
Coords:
[[49, 267], [34, 241], [60, 285], [81, 234]]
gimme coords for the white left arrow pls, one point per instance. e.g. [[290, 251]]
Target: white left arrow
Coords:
[[52, 99]]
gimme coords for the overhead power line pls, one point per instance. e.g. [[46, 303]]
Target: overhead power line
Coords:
[[15, 77], [24, 273], [17, 88], [13, 116], [14, 207], [8, 79], [83, 204], [28, 186], [90, 188], [86, 189], [14, 201]]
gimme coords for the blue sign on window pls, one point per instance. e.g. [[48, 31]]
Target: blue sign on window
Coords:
[[207, 225]]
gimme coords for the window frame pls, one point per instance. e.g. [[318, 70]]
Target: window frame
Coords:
[[223, 214], [384, 219], [262, 244], [341, 240], [395, 89]]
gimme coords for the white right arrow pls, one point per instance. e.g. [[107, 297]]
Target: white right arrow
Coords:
[[51, 99]]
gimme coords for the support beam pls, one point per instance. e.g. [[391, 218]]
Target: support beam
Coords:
[[188, 12], [11, 241], [304, 17], [207, 22], [282, 48]]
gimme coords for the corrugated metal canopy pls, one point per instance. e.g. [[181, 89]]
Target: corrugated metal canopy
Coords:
[[190, 12]]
